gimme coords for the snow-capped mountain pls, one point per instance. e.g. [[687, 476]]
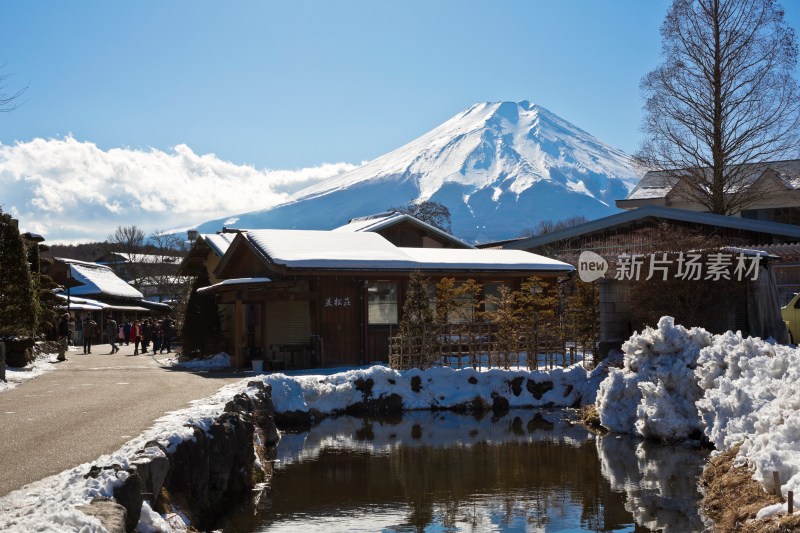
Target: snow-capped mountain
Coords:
[[499, 167]]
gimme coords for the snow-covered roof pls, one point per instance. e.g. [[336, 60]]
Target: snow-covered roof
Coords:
[[499, 260], [233, 281], [658, 183], [76, 303], [149, 259], [98, 280], [380, 221], [370, 251], [657, 212], [218, 242], [328, 249]]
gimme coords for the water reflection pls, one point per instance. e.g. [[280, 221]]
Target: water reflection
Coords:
[[425, 471]]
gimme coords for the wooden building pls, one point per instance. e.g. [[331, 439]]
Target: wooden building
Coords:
[[329, 298], [641, 230]]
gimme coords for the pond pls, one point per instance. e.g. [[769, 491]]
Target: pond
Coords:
[[530, 470]]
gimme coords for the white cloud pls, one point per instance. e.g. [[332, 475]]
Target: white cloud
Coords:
[[72, 191]]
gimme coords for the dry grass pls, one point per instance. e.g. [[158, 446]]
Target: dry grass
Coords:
[[733, 497], [590, 418]]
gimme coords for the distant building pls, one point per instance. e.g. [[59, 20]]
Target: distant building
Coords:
[[95, 289], [774, 186]]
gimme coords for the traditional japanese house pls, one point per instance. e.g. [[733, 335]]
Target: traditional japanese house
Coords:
[[327, 298]]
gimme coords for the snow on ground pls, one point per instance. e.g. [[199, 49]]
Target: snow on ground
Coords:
[[678, 381], [218, 361], [439, 387], [44, 362]]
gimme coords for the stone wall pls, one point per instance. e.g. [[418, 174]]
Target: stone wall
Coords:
[[204, 476]]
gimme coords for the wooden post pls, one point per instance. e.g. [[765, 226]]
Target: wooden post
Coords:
[[776, 478], [790, 500], [2, 361], [237, 331]]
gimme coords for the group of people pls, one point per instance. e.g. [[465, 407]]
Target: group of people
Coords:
[[140, 333], [160, 332]]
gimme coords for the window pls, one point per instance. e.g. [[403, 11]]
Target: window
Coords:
[[382, 302], [491, 293]]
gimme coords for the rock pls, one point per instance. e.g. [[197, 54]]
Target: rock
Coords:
[[112, 515], [500, 404], [129, 495], [538, 389], [416, 384], [377, 406], [152, 465], [516, 385]]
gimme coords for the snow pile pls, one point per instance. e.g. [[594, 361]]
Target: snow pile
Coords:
[[654, 394], [677, 382], [439, 387], [212, 362], [44, 362], [751, 398]]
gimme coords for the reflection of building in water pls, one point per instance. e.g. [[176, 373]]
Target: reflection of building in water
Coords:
[[660, 481], [525, 470]]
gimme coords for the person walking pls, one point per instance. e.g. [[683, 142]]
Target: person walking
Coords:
[[157, 337], [136, 336], [166, 328], [147, 333], [63, 337], [111, 327], [126, 332], [89, 327]]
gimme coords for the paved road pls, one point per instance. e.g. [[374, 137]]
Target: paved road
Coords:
[[88, 406]]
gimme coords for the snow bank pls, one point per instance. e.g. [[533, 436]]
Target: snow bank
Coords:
[[44, 362], [213, 362], [678, 382], [440, 388], [654, 393], [751, 397]]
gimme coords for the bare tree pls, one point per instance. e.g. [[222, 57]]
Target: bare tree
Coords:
[[129, 241], [724, 97], [8, 98], [434, 213], [161, 266], [548, 226]]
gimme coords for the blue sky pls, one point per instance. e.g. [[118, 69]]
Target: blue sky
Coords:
[[169, 113], [298, 83]]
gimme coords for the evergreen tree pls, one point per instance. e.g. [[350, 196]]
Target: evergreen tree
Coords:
[[201, 324], [17, 298], [418, 325]]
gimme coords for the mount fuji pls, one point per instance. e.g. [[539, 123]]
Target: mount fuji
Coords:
[[499, 167]]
